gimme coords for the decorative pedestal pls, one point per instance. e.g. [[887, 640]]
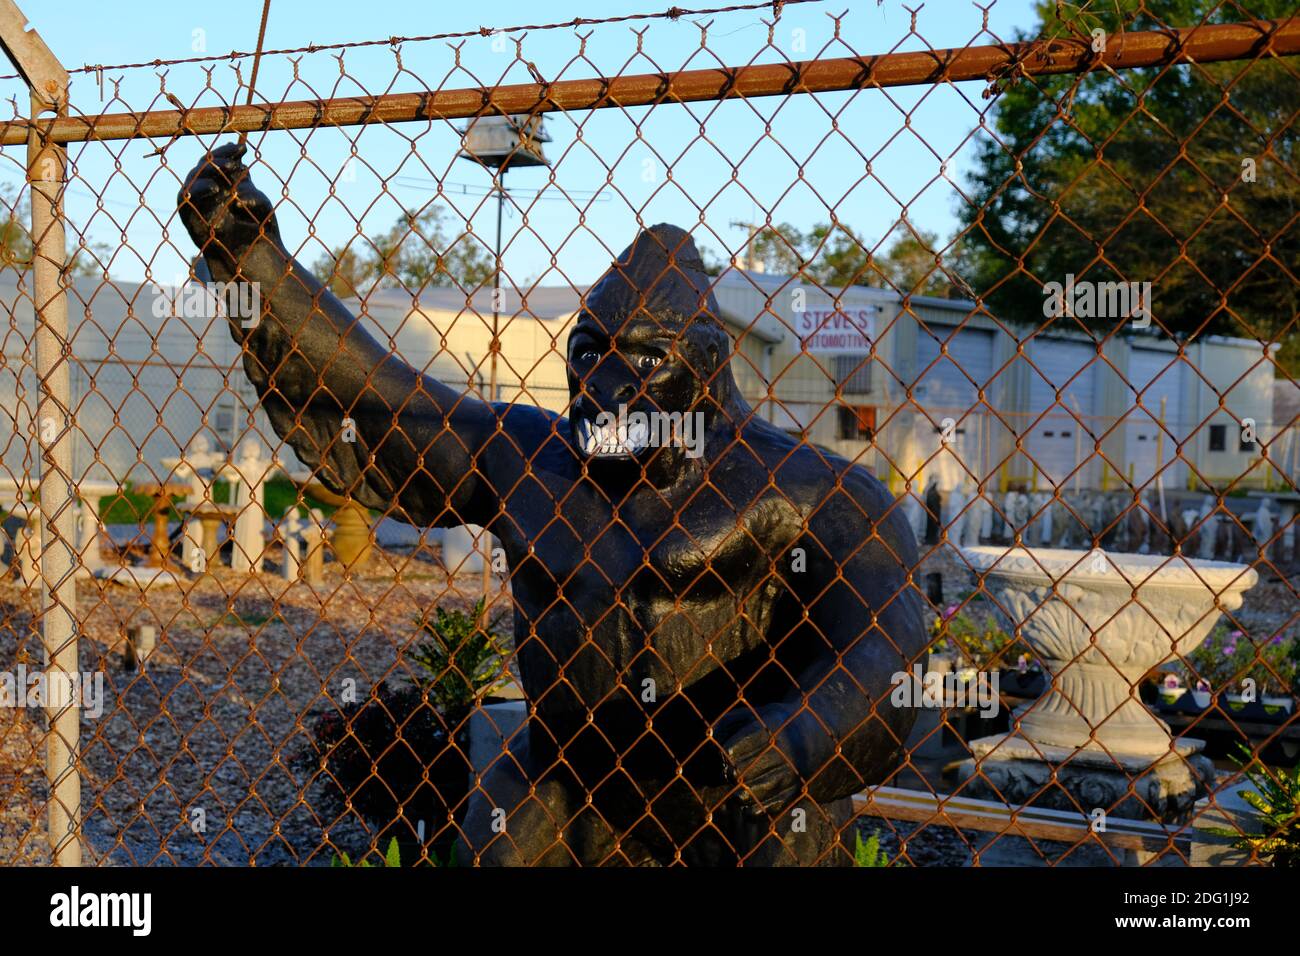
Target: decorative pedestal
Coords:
[[351, 539], [1013, 770], [211, 519], [1100, 622]]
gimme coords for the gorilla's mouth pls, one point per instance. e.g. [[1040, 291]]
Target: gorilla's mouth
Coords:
[[611, 436]]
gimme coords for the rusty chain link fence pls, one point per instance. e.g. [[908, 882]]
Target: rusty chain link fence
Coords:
[[1081, 401]]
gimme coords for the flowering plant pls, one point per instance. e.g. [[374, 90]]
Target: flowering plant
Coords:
[[1227, 658], [982, 645]]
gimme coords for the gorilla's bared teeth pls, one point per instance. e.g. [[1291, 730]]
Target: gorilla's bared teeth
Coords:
[[587, 436], [610, 439]]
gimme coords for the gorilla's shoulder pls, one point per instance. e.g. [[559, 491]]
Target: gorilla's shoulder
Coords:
[[824, 483], [799, 464], [534, 431]]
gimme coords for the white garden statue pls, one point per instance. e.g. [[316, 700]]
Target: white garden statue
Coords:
[[1263, 528], [197, 466], [250, 472], [957, 516], [291, 530]]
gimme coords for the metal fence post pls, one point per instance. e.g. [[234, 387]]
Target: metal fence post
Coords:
[[46, 173], [47, 166]]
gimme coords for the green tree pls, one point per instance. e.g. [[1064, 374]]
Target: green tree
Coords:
[[915, 262], [15, 240], [84, 259], [346, 271], [1184, 177], [419, 250], [777, 249]]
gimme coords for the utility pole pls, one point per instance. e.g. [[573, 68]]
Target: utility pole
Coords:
[[498, 143]]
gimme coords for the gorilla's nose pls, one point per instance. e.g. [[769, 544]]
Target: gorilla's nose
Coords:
[[610, 395]]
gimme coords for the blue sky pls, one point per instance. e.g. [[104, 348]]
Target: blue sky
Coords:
[[855, 151]]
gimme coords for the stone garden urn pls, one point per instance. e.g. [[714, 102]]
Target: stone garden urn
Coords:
[[1100, 622]]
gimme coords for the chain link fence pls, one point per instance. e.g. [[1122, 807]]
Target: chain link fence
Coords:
[[980, 548]]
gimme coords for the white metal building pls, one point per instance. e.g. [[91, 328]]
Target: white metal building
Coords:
[[954, 394], [936, 389]]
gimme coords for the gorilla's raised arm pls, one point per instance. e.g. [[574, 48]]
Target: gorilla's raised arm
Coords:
[[370, 425]]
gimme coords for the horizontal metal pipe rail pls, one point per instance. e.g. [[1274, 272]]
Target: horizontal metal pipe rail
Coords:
[[1032, 823], [1202, 44]]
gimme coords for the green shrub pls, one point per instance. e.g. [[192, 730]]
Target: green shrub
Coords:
[[867, 852], [128, 507], [392, 757], [392, 858], [279, 494], [401, 755], [1277, 804], [464, 658]]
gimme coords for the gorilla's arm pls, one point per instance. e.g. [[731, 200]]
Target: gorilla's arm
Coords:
[[413, 442], [841, 726]]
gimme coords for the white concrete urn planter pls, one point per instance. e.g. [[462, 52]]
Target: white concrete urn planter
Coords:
[[1100, 622]]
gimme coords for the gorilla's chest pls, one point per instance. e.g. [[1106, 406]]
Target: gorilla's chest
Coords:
[[651, 556], [623, 593]]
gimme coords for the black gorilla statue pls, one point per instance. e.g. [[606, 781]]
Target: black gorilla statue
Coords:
[[706, 632]]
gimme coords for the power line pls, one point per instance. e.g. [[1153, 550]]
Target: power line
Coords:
[[471, 189], [674, 14]]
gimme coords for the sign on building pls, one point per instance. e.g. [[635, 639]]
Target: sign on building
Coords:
[[843, 331]]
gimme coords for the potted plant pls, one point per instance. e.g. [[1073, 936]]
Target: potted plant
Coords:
[[1027, 679], [1276, 675], [1201, 695], [1171, 689], [1252, 679], [971, 644], [1261, 684], [985, 647], [401, 757]]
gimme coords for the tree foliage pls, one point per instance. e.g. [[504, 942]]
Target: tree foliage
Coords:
[[419, 250], [84, 259], [1184, 177], [913, 261]]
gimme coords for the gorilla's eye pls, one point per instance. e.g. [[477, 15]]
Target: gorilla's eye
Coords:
[[646, 362], [587, 354]]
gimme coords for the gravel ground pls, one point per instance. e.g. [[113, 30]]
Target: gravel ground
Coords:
[[196, 759]]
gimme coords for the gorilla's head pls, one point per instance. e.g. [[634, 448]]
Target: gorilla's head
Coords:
[[649, 374]]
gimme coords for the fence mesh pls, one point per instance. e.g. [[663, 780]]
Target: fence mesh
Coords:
[[341, 528]]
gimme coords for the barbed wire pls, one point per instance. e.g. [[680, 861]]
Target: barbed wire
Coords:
[[672, 13]]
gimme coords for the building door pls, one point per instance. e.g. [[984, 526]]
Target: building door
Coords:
[[1062, 392], [946, 391], [1153, 376]]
